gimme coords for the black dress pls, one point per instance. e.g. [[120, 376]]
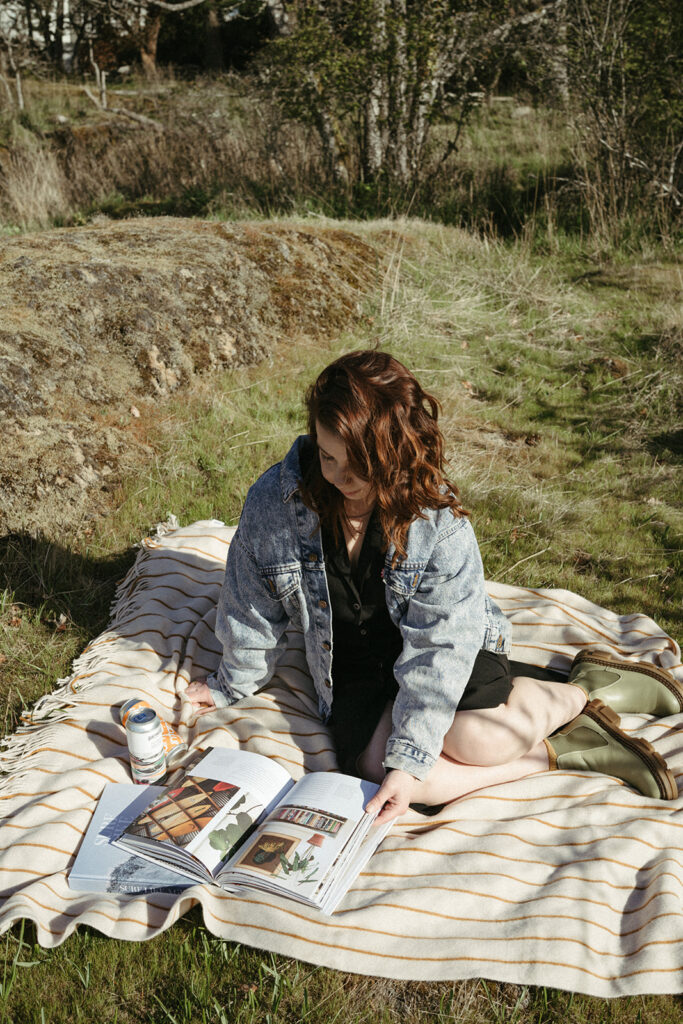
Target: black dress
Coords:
[[367, 644]]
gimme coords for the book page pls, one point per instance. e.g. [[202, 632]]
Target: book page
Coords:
[[263, 777], [210, 809], [303, 837], [341, 794]]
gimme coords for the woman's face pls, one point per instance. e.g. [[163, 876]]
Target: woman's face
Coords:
[[334, 465]]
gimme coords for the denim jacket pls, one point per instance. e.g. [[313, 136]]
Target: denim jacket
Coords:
[[275, 577]]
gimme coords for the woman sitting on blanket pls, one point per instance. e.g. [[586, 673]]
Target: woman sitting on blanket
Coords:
[[358, 538]]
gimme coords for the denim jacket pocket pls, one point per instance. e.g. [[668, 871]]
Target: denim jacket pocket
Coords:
[[402, 581], [284, 585], [404, 578]]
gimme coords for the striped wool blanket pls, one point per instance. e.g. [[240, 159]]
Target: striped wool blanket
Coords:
[[566, 879]]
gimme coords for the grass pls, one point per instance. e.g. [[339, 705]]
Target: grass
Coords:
[[560, 381], [220, 148]]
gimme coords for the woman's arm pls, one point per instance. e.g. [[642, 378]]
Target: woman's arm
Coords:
[[250, 624], [442, 630]]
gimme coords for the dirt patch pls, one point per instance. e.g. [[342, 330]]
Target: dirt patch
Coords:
[[95, 318]]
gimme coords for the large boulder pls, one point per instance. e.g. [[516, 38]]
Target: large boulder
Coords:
[[95, 318]]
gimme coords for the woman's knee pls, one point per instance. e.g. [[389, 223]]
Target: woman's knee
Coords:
[[485, 738]]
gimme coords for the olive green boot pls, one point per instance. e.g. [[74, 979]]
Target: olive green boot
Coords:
[[593, 742], [634, 687]]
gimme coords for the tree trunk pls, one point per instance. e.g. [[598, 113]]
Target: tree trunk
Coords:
[[213, 40], [397, 142], [280, 20], [331, 147], [58, 45], [29, 18], [67, 42], [149, 41], [559, 59], [373, 149]]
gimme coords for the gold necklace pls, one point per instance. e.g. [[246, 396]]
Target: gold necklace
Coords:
[[356, 525]]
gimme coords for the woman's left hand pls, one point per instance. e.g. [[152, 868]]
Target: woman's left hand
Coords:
[[201, 697], [393, 796]]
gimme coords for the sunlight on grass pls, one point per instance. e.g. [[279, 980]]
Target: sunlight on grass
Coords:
[[560, 391]]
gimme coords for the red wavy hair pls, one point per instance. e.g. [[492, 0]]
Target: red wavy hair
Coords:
[[388, 424]]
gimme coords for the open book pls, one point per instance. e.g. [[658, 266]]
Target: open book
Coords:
[[101, 866], [239, 819]]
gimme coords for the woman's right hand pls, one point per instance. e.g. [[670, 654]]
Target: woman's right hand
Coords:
[[201, 697]]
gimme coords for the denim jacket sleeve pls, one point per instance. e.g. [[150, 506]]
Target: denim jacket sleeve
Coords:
[[250, 624], [442, 627]]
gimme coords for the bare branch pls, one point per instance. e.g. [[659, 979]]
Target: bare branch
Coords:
[[636, 164], [122, 112], [460, 47]]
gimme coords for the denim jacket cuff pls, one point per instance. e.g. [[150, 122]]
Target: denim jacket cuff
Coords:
[[405, 757], [220, 697]]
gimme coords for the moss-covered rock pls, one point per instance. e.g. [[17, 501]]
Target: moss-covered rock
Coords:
[[95, 318]]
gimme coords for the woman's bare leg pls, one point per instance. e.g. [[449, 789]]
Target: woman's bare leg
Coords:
[[487, 747], [449, 779], [536, 708]]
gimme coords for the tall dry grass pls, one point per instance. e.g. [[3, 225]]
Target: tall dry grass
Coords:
[[35, 192], [221, 148]]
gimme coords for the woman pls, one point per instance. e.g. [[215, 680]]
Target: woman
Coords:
[[359, 538]]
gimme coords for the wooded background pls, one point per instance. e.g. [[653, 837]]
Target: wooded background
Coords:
[[374, 82]]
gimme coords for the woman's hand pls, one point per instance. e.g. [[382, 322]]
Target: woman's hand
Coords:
[[393, 796], [200, 695]]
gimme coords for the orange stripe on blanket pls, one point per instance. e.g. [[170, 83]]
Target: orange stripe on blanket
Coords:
[[537, 845], [593, 629], [38, 846], [50, 807], [45, 824], [403, 957], [93, 771], [513, 860], [619, 911], [47, 792], [188, 547], [404, 908], [77, 897]]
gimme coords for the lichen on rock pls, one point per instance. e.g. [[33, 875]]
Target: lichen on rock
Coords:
[[102, 316]]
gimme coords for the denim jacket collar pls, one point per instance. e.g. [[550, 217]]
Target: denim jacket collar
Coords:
[[290, 468]]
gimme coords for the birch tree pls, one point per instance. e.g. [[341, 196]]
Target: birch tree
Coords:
[[626, 71], [372, 75]]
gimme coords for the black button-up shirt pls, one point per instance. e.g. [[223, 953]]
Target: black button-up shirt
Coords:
[[366, 642]]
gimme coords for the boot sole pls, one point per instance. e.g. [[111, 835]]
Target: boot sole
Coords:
[[610, 721], [606, 661]]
